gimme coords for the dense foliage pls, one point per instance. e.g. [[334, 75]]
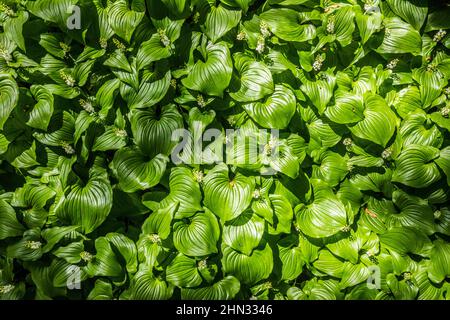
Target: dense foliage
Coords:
[[92, 206]]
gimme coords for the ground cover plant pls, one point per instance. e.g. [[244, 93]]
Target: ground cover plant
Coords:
[[232, 149]]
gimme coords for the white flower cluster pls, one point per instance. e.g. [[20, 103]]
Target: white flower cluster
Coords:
[[67, 148], [439, 35], [437, 214], [265, 33], [241, 36], [5, 55], [6, 9], [86, 105], [196, 17], [201, 101], [257, 193], [163, 37], [86, 256], [392, 64], [34, 245], [330, 24], [68, 79], [198, 175], [155, 238], [120, 132], [202, 264], [103, 43], [264, 29], [6, 288], [445, 111], [119, 45], [386, 153], [260, 45], [65, 47], [317, 65]]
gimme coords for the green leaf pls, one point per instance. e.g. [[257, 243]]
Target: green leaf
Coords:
[[176, 7], [414, 212], [405, 240], [54, 235], [9, 225], [379, 121], [153, 128], [347, 248], [416, 130], [71, 253], [344, 25], [152, 50], [427, 290], [9, 94], [291, 258], [13, 27], [126, 248], [400, 37], [408, 100], [106, 95], [224, 289], [182, 272], [283, 214], [145, 286], [315, 290], [135, 171], [348, 108], [325, 217], [27, 158], [353, 274], [112, 139], [60, 131], [431, 84], [244, 233], [220, 20], [43, 110], [225, 197], [184, 189], [87, 204], [211, 75], [415, 166], [101, 291], [159, 222], [29, 248], [368, 24], [248, 269], [148, 94], [437, 19], [276, 112], [52, 43], [401, 289], [444, 162], [412, 11], [124, 16], [255, 80], [57, 11], [289, 25], [114, 253], [439, 268], [329, 264], [319, 91], [197, 236], [333, 168]]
